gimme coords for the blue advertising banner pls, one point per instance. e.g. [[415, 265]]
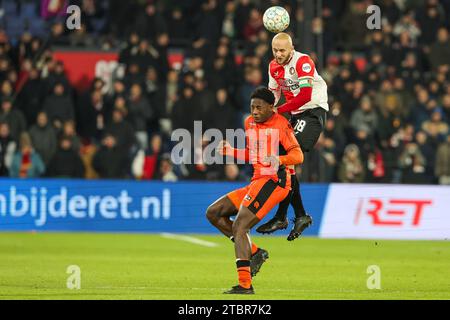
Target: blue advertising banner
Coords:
[[123, 206]]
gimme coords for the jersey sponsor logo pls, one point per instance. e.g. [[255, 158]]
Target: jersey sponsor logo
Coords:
[[306, 67], [288, 84]]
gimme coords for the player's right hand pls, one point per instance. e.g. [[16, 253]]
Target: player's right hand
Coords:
[[224, 148]]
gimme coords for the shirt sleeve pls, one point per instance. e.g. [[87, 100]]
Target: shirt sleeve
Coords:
[[287, 138], [305, 68]]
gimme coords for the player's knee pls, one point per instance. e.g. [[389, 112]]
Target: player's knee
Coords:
[[212, 213], [238, 228]]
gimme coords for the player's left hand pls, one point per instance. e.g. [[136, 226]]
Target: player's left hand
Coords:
[[272, 161]]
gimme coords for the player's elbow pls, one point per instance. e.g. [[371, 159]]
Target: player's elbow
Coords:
[[299, 157]]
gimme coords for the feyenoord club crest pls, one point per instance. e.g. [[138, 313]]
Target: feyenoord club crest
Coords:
[[292, 70]]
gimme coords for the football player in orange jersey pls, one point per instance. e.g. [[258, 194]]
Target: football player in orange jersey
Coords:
[[270, 183]]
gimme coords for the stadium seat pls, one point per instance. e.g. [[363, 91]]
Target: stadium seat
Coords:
[[28, 10], [10, 8]]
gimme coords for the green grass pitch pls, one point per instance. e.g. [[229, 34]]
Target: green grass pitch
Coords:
[[144, 266]]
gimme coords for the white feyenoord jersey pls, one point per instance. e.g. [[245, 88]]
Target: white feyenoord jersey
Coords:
[[290, 78]]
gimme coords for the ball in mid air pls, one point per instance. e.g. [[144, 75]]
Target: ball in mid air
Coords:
[[276, 19]]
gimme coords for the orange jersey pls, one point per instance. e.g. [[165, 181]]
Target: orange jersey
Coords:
[[274, 137]]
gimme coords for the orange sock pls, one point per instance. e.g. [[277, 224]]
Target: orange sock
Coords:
[[254, 248], [244, 275]]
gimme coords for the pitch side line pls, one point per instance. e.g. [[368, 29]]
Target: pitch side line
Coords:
[[189, 239]]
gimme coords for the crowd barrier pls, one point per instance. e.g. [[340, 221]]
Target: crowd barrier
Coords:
[[339, 210]]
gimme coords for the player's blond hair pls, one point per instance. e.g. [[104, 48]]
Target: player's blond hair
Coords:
[[283, 36]]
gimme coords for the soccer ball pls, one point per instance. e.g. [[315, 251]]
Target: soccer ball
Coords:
[[276, 19]]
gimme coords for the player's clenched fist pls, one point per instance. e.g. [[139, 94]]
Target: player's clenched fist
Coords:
[[272, 161], [224, 148]]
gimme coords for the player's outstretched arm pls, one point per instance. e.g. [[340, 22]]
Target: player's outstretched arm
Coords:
[[224, 148]]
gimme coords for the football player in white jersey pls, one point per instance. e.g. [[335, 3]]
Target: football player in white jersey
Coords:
[[294, 75]]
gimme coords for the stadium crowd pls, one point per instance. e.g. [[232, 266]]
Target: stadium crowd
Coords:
[[389, 89]]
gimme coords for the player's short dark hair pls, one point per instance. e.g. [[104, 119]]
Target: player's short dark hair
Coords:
[[264, 94]]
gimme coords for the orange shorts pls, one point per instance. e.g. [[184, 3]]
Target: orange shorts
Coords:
[[260, 196]]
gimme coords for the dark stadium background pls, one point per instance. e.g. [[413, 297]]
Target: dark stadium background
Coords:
[[181, 61], [87, 180]]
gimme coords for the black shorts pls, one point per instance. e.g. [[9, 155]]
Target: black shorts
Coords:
[[308, 126]]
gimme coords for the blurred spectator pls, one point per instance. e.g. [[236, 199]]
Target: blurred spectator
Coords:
[[436, 121], [14, 118], [171, 92], [66, 163], [145, 164], [120, 128], [177, 25], [232, 173], [209, 26], [221, 115], [30, 97], [183, 114], [109, 161], [446, 107], [139, 113], [93, 115], [334, 130], [26, 162], [43, 136], [430, 19], [80, 37], [150, 23], [241, 17], [320, 163], [442, 168], [375, 167], [165, 172], [409, 25], [351, 169], [7, 149], [204, 100], [353, 34], [429, 153], [440, 50], [57, 76], [69, 132], [156, 96], [59, 106], [129, 48], [412, 164], [253, 79], [253, 25], [364, 118], [228, 28], [144, 55]]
